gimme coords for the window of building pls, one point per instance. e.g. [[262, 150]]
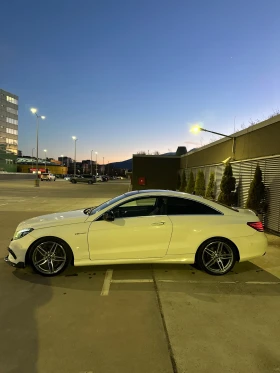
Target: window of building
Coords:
[[12, 121], [180, 206], [11, 141], [12, 100], [11, 110], [10, 130]]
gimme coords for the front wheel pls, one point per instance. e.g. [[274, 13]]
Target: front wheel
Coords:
[[216, 256], [50, 256]]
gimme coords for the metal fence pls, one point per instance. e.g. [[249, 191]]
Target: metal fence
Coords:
[[244, 172]]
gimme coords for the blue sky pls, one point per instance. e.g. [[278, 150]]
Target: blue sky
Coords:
[[125, 76]]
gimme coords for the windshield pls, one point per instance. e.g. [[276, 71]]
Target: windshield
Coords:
[[111, 202]]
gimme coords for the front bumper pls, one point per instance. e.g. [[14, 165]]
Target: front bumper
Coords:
[[16, 265]]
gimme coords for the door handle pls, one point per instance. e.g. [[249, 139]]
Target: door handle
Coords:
[[160, 223]]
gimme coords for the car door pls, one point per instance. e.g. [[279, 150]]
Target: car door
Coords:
[[193, 222], [136, 233]]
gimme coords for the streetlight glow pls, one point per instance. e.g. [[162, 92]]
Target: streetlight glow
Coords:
[[196, 129], [43, 117], [74, 137], [33, 110]]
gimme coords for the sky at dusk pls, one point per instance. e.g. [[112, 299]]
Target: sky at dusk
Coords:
[[134, 75]]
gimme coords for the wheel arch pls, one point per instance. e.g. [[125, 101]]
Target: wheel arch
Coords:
[[223, 239], [27, 255]]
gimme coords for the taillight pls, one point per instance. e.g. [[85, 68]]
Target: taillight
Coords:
[[257, 225]]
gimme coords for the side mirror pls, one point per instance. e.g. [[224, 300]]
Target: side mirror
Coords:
[[109, 216]]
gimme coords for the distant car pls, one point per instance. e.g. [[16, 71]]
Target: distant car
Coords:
[[99, 178], [105, 178], [83, 179], [146, 226], [67, 178], [47, 176]]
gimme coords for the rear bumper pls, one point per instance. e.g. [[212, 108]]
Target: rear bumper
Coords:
[[252, 246]]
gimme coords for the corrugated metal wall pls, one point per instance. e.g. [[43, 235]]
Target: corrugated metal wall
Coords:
[[244, 171]]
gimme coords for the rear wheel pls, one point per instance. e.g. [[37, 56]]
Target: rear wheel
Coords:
[[216, 256], [50, 256], [90, 182]]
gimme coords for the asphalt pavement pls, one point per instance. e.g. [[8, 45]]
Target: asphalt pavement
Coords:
[[131, 318]]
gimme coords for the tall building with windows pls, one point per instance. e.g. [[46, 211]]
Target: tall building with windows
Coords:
[[8, 130]]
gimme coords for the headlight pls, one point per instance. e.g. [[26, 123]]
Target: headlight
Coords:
[[22, 233]]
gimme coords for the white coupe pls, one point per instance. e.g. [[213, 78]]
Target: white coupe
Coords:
[[148, 226]]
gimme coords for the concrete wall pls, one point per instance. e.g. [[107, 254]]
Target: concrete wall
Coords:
[[159, 172], [16, 176]]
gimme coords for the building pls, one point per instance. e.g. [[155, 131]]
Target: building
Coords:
[[257, 144], [65, 161], [8, 131]]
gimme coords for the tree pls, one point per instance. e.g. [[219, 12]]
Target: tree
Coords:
[[156, 152], [227, 186], [200, 184], [256, 197], [190, 184], [183, 183], [141, 152], [210, 192], [178, 186]]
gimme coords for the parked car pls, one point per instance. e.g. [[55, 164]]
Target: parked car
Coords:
[[47, 176], [98, 178], [105, 178], [83, 179], [147, 226]]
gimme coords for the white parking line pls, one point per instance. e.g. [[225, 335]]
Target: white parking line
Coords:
[[132, 281], [107, 282]]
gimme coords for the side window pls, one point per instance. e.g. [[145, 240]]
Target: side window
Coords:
[[181, 206], [136, 207]]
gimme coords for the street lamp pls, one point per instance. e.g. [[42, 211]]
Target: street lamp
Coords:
[[103, 166], [75, 140], [197, 129], [32, 158], [96, 164], [34, 111], [62, 159], [91, 162], [45, 150]]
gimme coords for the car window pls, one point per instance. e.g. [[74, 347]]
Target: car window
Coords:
[[136, 207], [111, 202], [182, 206]]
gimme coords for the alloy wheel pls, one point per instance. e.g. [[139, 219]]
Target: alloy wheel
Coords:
[[218, 257], [49, 257]]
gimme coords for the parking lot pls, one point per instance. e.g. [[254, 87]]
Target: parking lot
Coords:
[[131, 318]]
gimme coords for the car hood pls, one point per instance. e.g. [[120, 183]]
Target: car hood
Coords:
[[58, 218]]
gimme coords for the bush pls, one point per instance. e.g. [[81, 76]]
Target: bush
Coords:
[[199, 187], [183, 183], [227, 186], [178, 185], [190, 185], [210, 192], [256, 197]]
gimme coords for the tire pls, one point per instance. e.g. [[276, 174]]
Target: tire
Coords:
[[90, 182], [216, 256], [73, 181], [50, 256]]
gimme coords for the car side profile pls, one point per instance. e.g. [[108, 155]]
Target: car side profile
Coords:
[[82, 179], [148, 226]]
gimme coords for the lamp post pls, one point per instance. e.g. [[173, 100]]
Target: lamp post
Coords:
[[32, 159], [34, 111], [96, 164], [196, 129], [103, 166], [91, 162], [45, 150], [62, 159], [75, 140]]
